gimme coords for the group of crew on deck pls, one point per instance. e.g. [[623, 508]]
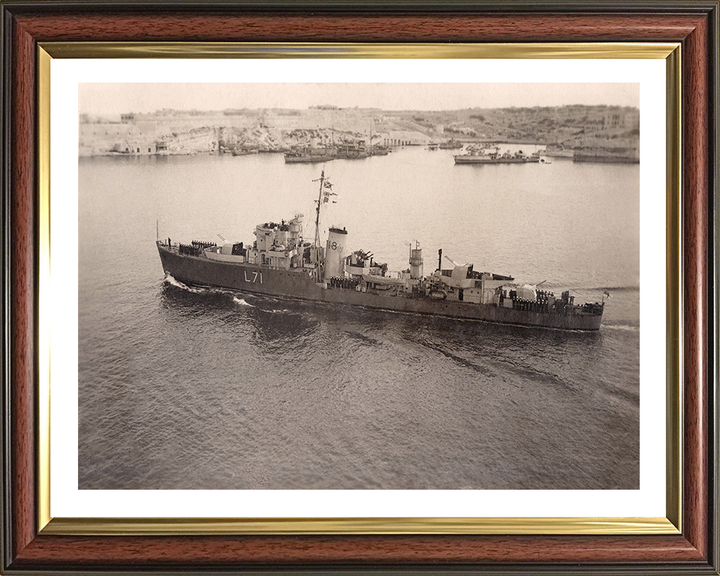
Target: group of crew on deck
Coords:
[[347, 283], [195, 248], [544, 301]]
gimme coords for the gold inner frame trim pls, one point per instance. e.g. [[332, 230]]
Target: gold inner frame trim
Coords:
[[561, 50], [674, 320], [297, 526], [43, 397], [527, 525]]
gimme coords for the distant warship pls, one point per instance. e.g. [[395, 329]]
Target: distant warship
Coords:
[[280, 262], [493, 156]]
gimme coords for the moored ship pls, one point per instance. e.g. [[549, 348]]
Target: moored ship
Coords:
[[348, 151], [493, 156], [451, 144], [310, 155], [280, 262], [244, 151], [353, 151], [607, 155], [558, 151]]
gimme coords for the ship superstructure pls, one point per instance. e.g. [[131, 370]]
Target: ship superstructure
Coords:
[[494, 156], [280, 262]]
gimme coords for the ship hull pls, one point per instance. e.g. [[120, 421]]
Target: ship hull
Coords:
[[558, 153], [480, 160], [308, 159], [606, 159], [297, 284]]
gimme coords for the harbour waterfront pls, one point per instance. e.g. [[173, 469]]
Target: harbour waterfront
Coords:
[[196, 388]]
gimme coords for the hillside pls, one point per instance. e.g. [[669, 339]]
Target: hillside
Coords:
[[182, 132]]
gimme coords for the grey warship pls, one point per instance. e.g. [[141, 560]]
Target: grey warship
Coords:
[[280, 262]]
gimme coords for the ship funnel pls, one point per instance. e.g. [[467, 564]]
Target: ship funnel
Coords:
[[335, 252], [416, 262]]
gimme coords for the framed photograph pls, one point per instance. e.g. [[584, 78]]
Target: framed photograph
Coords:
[[360, 288]]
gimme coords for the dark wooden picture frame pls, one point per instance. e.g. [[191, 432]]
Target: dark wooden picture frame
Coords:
[[693, 24]]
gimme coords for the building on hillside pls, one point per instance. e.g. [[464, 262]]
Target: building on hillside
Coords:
[[404, 138], [629, 119]]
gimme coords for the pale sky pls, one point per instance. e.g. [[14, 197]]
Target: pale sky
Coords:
[[113, 99]]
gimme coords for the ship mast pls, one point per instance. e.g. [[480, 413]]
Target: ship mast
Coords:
[[317, 209]]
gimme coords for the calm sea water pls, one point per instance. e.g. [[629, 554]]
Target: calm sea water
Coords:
[[194, 388]]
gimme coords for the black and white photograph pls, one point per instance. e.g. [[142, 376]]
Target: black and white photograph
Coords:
[[359, 286]]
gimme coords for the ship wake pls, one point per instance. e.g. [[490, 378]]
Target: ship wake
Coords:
[[237, 300], [173, 282], [623, 327]]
